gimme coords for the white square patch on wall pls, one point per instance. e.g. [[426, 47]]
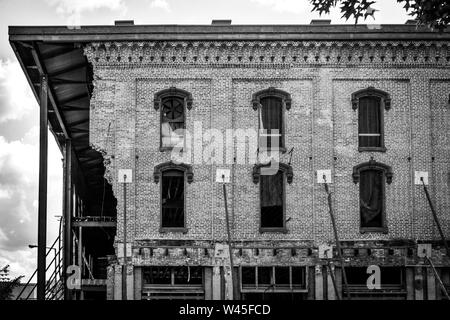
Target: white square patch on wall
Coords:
[[125, 173], [420, 174], [321, 174], [325, 251], [223, 175]]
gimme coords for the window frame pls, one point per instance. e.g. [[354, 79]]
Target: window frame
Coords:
[[384, 104], [386, 177], [187, 178], [291, 287], [286, 103], [288, 175], [171, 92]]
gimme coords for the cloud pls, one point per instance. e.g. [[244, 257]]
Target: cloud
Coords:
[[16, 99], [73, 9], [292, 6], [160, 4], [18, 198]]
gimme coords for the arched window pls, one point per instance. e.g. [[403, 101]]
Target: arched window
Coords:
[[173, 177], [272, 195], [271, 104], [371, 103], [172, 104], [372, 177]]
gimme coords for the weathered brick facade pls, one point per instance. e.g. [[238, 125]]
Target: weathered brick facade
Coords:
[[322, 127]]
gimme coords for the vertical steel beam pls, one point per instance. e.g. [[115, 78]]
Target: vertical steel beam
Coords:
[[68, 240], [42, 197], [124, 270]]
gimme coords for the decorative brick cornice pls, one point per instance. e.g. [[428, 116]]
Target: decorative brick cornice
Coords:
[[186, 168], [270, 52], [285, 168], [372, 165]]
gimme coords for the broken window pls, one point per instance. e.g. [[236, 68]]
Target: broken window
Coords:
[[172, 103], [172, 119], [272, 200], [172, 199], [370, 103], [371, 198]]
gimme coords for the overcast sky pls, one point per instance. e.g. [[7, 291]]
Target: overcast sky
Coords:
[[19, 110]]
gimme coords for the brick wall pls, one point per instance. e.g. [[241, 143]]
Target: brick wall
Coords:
[[321, 125]]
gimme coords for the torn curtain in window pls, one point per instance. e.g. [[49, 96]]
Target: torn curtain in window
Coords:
[[271, 190], [369, 122], [172, 199], [172, 118], [371, 198], [271, 121]]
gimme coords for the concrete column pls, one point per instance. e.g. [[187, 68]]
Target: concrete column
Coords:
[[130, 282], [228, 283], [419, 283], [318, 282], [137, 283], [216, 283], [208, 283], [409, 283], [110, 283], [431, 284], [118, 282]]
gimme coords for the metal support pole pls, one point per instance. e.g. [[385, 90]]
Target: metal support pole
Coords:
[[436, 220], [230, 249], [42, 197], [336, 237], [124, 269], [67, 215], [336, 291], [438, 278]]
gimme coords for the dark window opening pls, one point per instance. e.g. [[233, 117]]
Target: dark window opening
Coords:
[[172, 119], [282, 276], [173, 275], [248, 276], [157, 275], [272, 200], [371, 198], [172, 199], [271, 123], [370, 124], [188, 275], [298, 276], [264, 275]]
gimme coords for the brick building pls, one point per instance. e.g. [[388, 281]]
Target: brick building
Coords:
[[366, 106]]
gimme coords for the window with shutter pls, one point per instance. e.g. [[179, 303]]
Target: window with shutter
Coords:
[[371, 104]]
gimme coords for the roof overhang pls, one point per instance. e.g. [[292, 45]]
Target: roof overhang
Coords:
[[73, 34]]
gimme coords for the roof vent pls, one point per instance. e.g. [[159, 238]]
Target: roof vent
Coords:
[[221, 22], [320, 21], [121, 23]]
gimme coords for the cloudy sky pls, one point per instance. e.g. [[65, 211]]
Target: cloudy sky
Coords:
[[19, 110]]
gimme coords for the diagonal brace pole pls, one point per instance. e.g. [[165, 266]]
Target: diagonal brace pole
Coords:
[[436, 220], [336, 237]]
